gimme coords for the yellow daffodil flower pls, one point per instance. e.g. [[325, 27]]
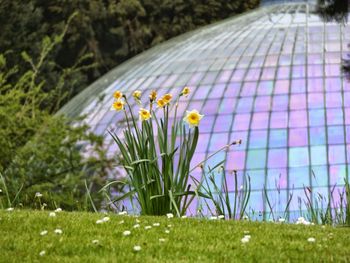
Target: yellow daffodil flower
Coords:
[[193, 118], [144, 114], [118, 105], [167, 98], [160, 103], [185, 91], [118, 95], [136, 94], [153, 95]]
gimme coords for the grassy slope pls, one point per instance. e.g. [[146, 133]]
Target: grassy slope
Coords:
[[189, 240]]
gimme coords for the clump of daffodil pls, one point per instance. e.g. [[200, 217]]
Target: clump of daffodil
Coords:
[[153, 95], [161, 103], [144, 114], [118, 95], [137, 95], [118, 105], [193, 118], [167, 98], [185, 91]]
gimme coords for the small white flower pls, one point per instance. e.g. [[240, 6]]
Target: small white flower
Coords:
[[52, 214], [122, 213], [148, 227], [245, 217], [126, 233], [38, 194], [311, 239], [43, 233], [137, 248], [156, 224], [162, 240], [169, 225], [10, 209], [221, 216], [302, 221], [169, 215], [95, 241], [137, 221], [213, 218], [246, 232], [105, 219], [58, 231], [136, 226], [183, 217], [167, 231], [99, 222], [0, 190], [245, 240], [58, 210], [247, 236], [42, 253], [121, 222], [323, 227], [281, 220]]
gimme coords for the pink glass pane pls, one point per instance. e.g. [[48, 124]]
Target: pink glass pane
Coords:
[[297, 119]]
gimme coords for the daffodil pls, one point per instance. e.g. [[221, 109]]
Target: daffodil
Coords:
[[160, 103], [185, 91], [118, 105], [118, 95], [153, 95], [144, 114], [193, 118], [167, 98], [136, 94]]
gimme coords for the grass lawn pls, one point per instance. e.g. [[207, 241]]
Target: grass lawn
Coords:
[[188, 240]]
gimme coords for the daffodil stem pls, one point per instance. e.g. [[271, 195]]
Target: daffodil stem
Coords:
[[213, 154]]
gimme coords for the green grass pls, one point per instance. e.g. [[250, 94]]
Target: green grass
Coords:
[[189, 240]]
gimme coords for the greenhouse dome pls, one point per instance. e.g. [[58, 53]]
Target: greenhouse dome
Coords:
[[271, 77]]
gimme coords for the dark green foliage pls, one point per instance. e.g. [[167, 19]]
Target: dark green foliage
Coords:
[[111, 30]]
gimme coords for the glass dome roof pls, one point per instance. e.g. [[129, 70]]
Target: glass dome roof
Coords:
[[271, 77]]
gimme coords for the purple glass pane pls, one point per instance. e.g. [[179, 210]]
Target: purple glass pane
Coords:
[[277, 158], [298, 137], [271, 61], [217, 141], [347, 116], [316, 117], [297, 119], [227, 105], [298, 156], [265, 87], [298, 86], [317, 135], [241, 122], [315, 59], [281, 87], [346, 99], [334, 116], [315, 71], [268, 74], [279, 120], [334, 100], [238, 75], [299, 178], [253, 74], [236, 160], [277, 178], [257, 139], [315, 100], [297, 102], [223, 123], [298, 71], [195, 79], [232, 90], [333, 84], [336, 134], [336, 154], [337, 174], [262, 103], [332, 70], [257, 178], [201, 92], [280, 103], [283, 73], [224, 76], [315, 85], [248, 89], [217, 91], [245, 104], [260, 120]]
